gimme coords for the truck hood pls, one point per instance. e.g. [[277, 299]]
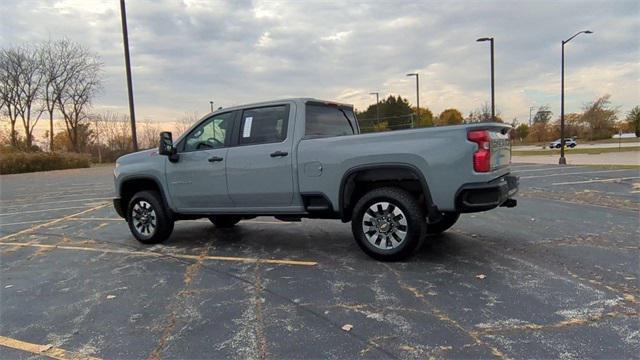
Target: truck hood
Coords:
[[137, 156]]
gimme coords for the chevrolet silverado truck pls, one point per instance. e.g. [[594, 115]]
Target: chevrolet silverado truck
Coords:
[[306, 158]]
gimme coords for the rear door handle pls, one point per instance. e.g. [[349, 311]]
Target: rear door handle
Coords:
[[215, 159], [279, 154]]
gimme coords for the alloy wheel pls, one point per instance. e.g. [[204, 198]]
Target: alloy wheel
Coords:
[[384, 225], [144, 218]]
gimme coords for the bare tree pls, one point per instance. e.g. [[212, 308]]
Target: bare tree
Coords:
[[482, 114], [149, 134], [543, 115], [22, 79], [56, 59], [185, 122], [114, 131], [8, 87], [83, 81]]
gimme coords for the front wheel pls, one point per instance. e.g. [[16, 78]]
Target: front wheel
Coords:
[[388, 224], [447, 220], [147, 218]]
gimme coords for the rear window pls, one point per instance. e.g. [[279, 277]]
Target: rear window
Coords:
[[329, 121]]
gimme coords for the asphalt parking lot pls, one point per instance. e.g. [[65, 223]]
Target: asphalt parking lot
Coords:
[[555, 277]]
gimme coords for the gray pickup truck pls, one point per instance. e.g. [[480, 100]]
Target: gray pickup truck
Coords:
[[306, 158]]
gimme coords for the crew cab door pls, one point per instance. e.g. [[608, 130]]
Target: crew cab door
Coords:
[[198, 181], [259, 165]]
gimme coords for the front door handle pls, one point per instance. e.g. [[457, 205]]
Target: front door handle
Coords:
[[215, 159], [279, 154]]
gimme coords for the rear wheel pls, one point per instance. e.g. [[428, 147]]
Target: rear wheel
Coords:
[[447, 220], [388, 224], [147, 218], [225, 221]]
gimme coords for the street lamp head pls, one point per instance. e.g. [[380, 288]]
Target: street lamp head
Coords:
[[484, 39], [373, 93], [412, 74], [576, 34]]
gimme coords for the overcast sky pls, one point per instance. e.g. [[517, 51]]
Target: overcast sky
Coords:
[[185, 53]]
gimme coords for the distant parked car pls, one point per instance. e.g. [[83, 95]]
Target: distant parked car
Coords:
[[567, 142]]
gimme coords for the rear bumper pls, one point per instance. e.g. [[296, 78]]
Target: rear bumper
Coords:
[[486, 196], [117, 204]]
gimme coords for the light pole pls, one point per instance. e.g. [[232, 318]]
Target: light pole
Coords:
[[127, 62], [417, 95], [562, 160], [211, 103], [493, 88], [377, 105]]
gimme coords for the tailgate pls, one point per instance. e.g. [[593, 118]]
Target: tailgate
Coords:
[[500, 146]]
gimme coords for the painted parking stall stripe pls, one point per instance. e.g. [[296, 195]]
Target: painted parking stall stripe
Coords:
[[43, 350], [549, 169], [44, 210], [158, 254], [65, 218], [573, 173], [57, 202], [596, 181]]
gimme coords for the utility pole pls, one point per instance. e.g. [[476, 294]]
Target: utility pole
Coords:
[[377, 106], [127, 61], [211, 103]]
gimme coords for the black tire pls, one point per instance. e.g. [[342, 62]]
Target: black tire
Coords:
[[572, 146], [155, 212], [411, 211], [447, 220], [225, 221], [558, 146]]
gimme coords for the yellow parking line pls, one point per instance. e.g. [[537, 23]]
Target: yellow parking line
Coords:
[[199, 220], [24, 222], [157, 254], [97, 219], [44, 350], [36, 227], [43, 210]]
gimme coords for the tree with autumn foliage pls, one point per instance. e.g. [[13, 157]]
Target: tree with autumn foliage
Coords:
[[449, 117]]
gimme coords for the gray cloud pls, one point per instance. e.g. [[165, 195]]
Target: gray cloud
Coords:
[[188, 52]]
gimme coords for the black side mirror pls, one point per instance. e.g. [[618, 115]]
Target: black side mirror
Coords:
[[166, 144]]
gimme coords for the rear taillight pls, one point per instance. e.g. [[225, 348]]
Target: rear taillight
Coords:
[[482, 156]]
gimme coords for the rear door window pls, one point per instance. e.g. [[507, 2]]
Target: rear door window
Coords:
[[264, 125], [322, 120]]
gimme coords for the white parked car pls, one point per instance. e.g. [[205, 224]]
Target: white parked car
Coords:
[[567, 142]]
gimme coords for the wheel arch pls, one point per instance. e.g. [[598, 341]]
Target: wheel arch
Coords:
[[381, 172], [131, 185]]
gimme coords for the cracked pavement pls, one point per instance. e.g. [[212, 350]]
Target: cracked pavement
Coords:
[[560, 279]]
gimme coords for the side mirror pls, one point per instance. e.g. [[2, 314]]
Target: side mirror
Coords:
[[166, 144]]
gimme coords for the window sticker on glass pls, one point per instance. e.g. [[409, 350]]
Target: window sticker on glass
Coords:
[[246, 132]]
